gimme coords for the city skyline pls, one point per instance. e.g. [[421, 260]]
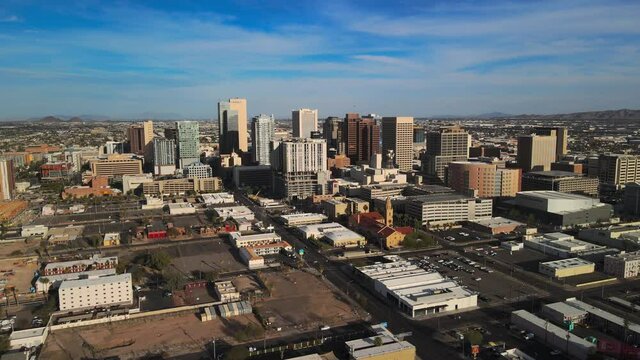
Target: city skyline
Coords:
[[439, 58]]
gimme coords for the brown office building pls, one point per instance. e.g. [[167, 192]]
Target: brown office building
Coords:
[[562, 138], [562, 181], [362, 137], [140, 138], [482, 179], [397, 141], [536, 152], [116, 165], [448, 144]]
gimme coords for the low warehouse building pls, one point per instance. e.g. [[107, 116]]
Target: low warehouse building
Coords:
[[415, 291], [560, 312], [566, 267], [554, 336]]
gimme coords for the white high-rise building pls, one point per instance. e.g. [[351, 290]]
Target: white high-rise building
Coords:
[[262, 130], [301, 167], [304, 121]]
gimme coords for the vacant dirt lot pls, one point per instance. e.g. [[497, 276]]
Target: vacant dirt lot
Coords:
[[132, 339], [214, 256], [18, 272], [300, 299]]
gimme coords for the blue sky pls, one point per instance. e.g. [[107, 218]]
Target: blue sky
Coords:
[[416, 58]]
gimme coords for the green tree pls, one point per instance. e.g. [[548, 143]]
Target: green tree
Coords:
[[173, 279], [159, 260], [377, 341]]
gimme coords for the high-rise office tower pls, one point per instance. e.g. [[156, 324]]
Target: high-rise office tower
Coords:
[[188, 142], [562, 138], [361, 137], [7, 179], [140, 138], [164, 156], [304, 121], [262, 130], [232, 126], [617, 170], [536, 152], [484, 180], [301, 167], [397, 141], [447, 144], [332, 130]]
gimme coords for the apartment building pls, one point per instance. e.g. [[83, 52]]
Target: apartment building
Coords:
[[95, 292], [439, 209]]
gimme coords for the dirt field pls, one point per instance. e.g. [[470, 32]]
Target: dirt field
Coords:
[[18, 272], [300, 299], [135, 338], [25, 247], [246, 283]]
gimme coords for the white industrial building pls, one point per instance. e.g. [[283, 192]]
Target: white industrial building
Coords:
[[415, 291], [235, 212], [554, 336], [566, 267], [302, 219], [439, 209], [218, 198], [318, 230], [391, 346], [34, 230], [623, 265], [95, 292], [344, 238], [554, 201], [182, 208], [564, 246]]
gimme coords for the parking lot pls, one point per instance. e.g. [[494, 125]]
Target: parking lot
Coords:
[[493, 286], [463, 235]]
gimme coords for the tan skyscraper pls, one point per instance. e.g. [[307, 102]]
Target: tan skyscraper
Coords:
[[304, 121], [232, 125], [7, 179], [562, 138], [141, 138], [397, 141], [445, 145], [536, 152]]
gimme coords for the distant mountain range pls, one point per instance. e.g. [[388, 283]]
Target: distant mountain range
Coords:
[[622, 114]]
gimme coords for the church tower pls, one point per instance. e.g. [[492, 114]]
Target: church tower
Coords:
[[388, 213]]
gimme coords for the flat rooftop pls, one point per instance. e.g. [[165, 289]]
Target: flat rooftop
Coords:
[[630, 256], [95, 281], [496, 222], [553, 174], [552, 195], [436, 198], [566, 263]]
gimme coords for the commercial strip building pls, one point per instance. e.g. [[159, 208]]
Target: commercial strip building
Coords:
[[581, 312], [95, 292], [391, 348], [496, 225], [254, 247], [566, 267], [34, 230], [181, 186], [623, 265], [563, 209], [554, 336], [218, 198], [235, 212], [561, 181], [622, 236], [333, 233], [439, 209], [415, 291], [300, 219], [566, 246], [75, 266]]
